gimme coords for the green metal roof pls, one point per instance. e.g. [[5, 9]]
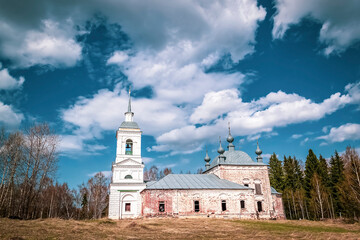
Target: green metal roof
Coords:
[[129, 125], [194, 181], [235, 158]]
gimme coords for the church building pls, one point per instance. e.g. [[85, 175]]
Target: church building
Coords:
[[232, 186]]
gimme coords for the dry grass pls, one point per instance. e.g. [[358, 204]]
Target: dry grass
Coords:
[[174, 228]]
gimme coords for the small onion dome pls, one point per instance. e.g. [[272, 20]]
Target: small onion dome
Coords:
[[258, 151], [220, 150], [207, 158], [230, 138]]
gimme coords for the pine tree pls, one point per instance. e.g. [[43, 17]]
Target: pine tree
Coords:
[[337, 178], [84, 206], [299, 175], [323, 171], [289, 172], [311, 167], [276, 173], [290, 187]]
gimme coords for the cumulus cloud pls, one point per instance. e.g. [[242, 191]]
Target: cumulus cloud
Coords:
[[253, 118], [215, 104], [9, 116], [175, 65], [349, 131], [51, 43], [70, 143], [105, 112], [7, 82], [118, 57], [202, 30], [174, 127], [339, 20]]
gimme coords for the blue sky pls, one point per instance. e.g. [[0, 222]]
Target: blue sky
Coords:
[[286, 72]]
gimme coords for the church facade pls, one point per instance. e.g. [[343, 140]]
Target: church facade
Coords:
[[232, 186]]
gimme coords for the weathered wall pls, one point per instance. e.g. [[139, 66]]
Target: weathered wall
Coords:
[[250, 175], [181, 203], [119, 196], [278, 206]]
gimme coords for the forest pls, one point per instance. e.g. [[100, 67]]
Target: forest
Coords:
[[322, 189], [318, 189]]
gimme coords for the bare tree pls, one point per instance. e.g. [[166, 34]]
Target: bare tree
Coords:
[[319, 195]]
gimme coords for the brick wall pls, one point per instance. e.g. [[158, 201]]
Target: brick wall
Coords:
[[251, 175], [181, 203]]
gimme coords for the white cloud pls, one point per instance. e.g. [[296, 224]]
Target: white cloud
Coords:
[[173, 81], [77, 145], [8, 82], [304, 141], [339, 19], [9, 116], [254, 137], [118, 58], [70, 143], [215, 104], [268, 155], [253, 118], [349, 131], [51, 43], [296, 136], [197, 29], [174, 126], [104, 112], [325, 129]]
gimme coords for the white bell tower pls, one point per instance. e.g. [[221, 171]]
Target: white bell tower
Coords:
[[127, 170]]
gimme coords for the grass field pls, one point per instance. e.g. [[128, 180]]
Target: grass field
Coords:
[[174, 228]]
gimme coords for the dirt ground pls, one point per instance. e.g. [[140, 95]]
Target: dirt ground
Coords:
[[175, 228]]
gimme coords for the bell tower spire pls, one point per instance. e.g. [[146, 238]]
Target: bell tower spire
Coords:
[[129, 114], [129, 105]]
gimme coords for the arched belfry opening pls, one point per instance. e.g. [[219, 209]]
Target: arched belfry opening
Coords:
[[129, 147]]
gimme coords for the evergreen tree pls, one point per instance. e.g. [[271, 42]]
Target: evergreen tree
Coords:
[[84, 206], [291, 184], [276, 173], [337, 178], [289, 173], [299, 175], [311, 167], [323, 171]]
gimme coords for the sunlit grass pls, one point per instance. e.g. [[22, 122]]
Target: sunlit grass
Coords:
[[175, 228]]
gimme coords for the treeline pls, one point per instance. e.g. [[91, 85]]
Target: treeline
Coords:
[[28, 189], [320, 189], [154, 174]]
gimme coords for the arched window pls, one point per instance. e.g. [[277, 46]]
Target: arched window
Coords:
[[129, 147], [223, 205], [196, 206], [242, 204], [128, 177]]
